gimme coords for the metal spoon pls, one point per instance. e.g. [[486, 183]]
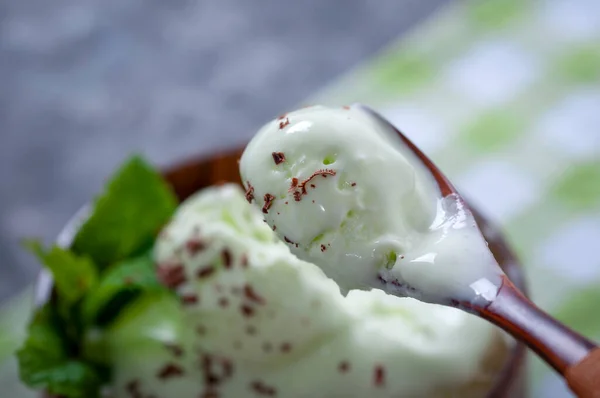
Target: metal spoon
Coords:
[[573, 356]]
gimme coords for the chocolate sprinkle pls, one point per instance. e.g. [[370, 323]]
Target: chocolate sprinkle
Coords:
[[278, 157]]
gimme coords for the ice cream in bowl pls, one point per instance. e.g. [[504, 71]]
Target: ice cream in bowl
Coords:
[[173, 284]]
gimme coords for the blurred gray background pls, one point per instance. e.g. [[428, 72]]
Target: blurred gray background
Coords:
[[85, 82]]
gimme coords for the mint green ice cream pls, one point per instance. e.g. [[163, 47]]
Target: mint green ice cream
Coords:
[[249, 319]]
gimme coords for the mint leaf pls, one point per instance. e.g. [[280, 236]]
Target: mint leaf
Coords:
[[73, 275], [127, 216], [118, 285], [44, 361]]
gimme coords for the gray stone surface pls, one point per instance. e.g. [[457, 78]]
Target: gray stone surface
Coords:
[[85, 82]]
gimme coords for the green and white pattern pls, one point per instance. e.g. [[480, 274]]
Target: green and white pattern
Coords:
[[505, 96]]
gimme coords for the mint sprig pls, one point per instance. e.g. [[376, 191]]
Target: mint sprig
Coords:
[[137, 202], [73, 275], [106, 268], [119, 283], [45, 360]]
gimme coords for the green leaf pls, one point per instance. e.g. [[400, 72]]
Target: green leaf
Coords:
[[73, 275], [44, 361], [137, 202], [118, 285]]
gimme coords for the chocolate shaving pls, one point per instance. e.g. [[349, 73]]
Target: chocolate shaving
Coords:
[[226, 257], [263, 389], [170, 370], [268, 202], [297, 196], [323, 172], [343, 367], [284, 123], [246, 310], [176, 350], [286, 347], [211, 377], [133, 389], [278, 157], [323, 248], [353, 184], [205, 272], [172, 275], [194, 245], [249, 192], [285, 238], [299, 189], [189, 299], [252, 295], [379, 376]]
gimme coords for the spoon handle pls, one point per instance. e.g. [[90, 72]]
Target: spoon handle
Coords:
[[569, 353]]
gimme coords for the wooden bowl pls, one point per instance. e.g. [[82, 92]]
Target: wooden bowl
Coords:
[[192, 175]]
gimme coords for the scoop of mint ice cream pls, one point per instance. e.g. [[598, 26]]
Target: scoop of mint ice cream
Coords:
[[249, 319]]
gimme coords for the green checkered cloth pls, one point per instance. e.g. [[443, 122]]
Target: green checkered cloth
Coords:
[[504, 95]]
